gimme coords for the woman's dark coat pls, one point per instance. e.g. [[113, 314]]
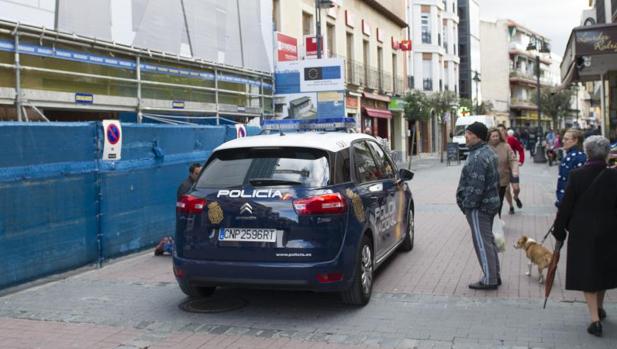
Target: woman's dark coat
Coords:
[[589, 213]]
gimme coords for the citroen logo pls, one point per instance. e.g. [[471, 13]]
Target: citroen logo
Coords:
[[246, 208]]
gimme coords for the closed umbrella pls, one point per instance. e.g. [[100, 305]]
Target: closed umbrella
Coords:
[[552, 269]]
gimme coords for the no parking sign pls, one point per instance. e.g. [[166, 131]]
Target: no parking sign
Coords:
[[112, 133]]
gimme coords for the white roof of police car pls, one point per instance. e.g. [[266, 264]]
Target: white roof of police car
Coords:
[[330, 141]]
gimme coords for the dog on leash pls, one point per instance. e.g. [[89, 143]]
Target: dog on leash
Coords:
[[537, 254]]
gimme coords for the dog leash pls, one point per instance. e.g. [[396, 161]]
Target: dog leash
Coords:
[[550, 230]]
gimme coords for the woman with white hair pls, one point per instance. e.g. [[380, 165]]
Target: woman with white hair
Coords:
[[588, 212]]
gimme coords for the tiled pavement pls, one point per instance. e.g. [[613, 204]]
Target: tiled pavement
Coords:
[[421, 298]]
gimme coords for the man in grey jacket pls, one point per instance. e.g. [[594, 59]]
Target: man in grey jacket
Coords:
[[477, 196]]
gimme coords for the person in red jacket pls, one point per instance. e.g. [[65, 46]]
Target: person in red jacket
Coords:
[[516, 145]]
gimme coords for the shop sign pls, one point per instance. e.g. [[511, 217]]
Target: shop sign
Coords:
[[397, 104], [596, 41], [286, 48], [351, 102], [405, 45], [310, 46]]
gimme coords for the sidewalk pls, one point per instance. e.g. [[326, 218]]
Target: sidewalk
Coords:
[[420, 299]]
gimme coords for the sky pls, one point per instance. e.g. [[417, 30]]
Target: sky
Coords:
[[551, 18]]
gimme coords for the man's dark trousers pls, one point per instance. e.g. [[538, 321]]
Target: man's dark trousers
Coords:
[[481, 225]]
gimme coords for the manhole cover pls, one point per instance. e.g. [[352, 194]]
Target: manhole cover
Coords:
[[213, 304]]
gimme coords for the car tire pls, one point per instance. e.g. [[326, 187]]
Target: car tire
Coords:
[[362, 285], [195, 291], [407, 244]]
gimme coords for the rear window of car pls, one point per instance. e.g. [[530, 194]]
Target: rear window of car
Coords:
[[243, 166]]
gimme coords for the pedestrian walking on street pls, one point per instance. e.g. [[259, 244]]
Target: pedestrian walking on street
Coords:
[[477, 196], [186, 186], [588, 212], [573, 158], [507, 163], [519, 153]]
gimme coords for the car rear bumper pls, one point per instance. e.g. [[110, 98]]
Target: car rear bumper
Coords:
[[286, 275]]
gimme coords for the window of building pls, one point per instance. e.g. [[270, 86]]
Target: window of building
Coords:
[[307, 23], [380, 67], [366, 59], [331, 43], [427, 72], [445, 37], [395, 73], [426, 28]]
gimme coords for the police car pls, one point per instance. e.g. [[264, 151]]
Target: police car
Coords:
[[305, 210]]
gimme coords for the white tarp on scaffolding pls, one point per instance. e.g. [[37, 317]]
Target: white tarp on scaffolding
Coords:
[[234, 32]]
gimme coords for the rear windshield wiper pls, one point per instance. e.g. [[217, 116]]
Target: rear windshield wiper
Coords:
[[270, 181]]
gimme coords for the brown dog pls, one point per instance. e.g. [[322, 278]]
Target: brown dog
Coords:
[[536, 253]]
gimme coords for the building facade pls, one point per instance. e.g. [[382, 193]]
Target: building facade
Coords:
[[366, 35], [506, 51], [434, 62], [78, 60], [469, 50], [590, 60]]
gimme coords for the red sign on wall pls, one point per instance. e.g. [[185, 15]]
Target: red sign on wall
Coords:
[[310, 45], [405, 45], [286, 48]]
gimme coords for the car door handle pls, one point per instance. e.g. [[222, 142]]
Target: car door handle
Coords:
[[375, 188]]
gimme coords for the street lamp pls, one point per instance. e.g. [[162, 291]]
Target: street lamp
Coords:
[[477, 80], [539, 156], [319, 4]]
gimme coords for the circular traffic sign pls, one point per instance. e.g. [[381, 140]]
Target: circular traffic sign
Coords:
[[113, 134]]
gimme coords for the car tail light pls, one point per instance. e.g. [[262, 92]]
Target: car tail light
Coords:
[[190, 204], [179, 273], [322, 204], [329, 277]]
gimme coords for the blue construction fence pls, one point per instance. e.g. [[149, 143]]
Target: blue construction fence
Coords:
[[62, 207]]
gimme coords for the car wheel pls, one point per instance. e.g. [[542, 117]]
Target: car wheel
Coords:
[[407, 244], [195, 291], [362, 286]]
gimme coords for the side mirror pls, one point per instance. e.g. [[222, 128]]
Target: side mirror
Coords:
[[405, 174]]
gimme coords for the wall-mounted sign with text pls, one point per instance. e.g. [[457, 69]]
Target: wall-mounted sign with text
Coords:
[[286, 48]]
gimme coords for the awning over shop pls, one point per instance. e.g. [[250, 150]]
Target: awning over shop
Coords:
[[591, 52], [376, 97], [377, 113]]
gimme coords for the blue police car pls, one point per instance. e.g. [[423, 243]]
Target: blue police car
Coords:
[[317, 211]]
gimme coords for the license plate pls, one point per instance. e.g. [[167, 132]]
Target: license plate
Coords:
[[247, 234]]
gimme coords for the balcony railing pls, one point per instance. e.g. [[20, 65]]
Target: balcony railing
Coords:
[[529, 77], [358, 74], [399, 86], [522, 102]]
